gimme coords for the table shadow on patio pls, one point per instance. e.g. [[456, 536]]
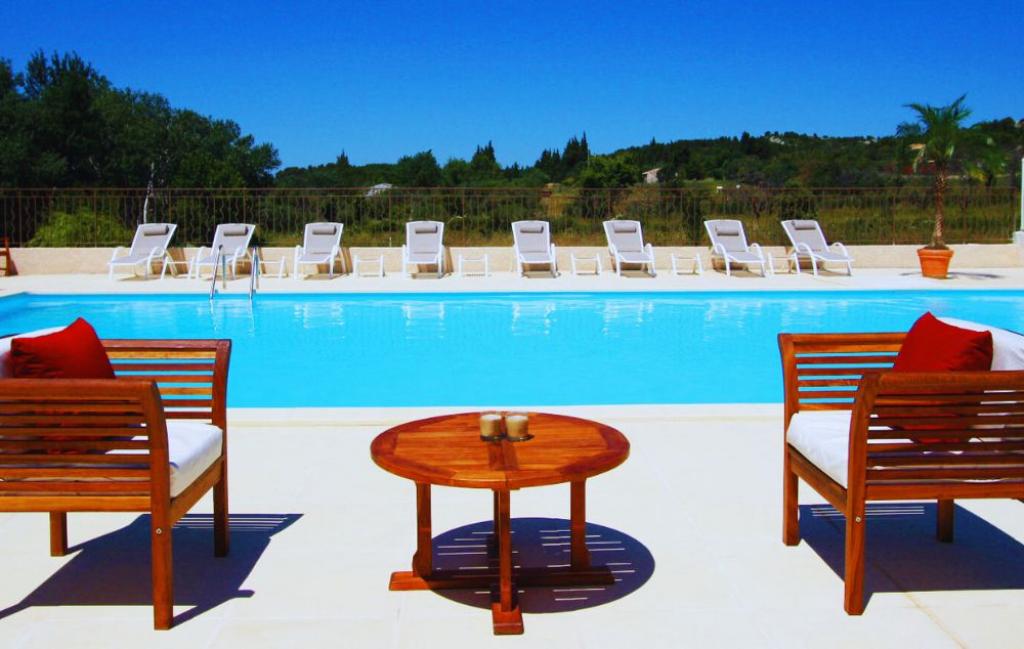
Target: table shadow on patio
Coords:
[[114, 569], [544, 542], [902, 553]]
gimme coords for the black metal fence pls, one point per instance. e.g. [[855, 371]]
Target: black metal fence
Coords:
[[477, 216]]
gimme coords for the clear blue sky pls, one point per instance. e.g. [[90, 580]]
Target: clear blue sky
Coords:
[[382, 79]]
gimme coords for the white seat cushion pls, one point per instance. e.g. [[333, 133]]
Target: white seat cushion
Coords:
[[823, 437], [191, 448]]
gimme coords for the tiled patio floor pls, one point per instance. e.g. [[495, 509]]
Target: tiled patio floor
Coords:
[[317, 529]]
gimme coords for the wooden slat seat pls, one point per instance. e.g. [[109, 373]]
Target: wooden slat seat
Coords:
[[76, 445], [909, 436]]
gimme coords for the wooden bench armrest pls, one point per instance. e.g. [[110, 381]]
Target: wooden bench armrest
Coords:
[[913, 434]]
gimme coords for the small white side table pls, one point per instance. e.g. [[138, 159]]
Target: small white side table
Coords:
[[358, 260], [577, 257], [482, 258], [698, 267], [174, 264], [264, 263], [788, 260]]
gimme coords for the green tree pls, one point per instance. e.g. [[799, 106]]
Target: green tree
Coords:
[[609, 171], [938, 134], [83, 227], [62, 124], [456, 172], [420, 170], [576, 154], [484, 165]]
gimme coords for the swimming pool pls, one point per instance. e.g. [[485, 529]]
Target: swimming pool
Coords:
[[504, 349]]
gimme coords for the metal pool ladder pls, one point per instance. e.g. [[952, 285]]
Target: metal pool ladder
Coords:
[[218, 261], [254, 276]]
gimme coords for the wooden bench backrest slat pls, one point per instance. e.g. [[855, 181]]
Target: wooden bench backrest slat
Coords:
[[190, 374], [823, 371]]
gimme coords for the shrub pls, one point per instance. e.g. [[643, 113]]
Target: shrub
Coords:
[[83, 227]]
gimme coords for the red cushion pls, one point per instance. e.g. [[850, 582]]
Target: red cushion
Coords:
[[934, 346], [73, 353]]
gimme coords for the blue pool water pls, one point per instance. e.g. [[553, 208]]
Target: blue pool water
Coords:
[[504, 349]]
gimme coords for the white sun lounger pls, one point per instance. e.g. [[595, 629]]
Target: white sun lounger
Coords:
[[809, 241], [626, 245], [321, 244], [729, 242], [424, 244], [232, 239], [148, 245], [532, 245]]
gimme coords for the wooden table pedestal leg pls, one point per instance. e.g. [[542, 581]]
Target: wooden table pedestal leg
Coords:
[[506, 616], [423, 560], [579, 554]]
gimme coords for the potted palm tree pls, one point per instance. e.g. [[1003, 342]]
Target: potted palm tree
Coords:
[[937, 135]]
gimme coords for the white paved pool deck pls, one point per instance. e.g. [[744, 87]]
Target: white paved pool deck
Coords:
[[863, 279], [317, 529]]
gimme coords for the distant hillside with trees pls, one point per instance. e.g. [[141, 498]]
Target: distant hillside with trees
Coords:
[[769, 160], [62, 124]]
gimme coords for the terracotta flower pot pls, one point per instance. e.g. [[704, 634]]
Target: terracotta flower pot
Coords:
[[934, 263]]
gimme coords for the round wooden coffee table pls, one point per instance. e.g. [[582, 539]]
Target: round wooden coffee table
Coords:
[[448, 451]]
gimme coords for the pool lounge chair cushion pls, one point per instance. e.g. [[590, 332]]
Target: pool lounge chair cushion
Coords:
[[623, 226], [329, 230], [74, 352], [805, 225], [154, 229], [934, 346], [535, 241], [427, 228]]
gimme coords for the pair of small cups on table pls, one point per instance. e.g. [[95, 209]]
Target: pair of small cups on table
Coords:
[[511, 426]]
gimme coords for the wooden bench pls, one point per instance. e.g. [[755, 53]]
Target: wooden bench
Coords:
[[101, 445], [908, 435]]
